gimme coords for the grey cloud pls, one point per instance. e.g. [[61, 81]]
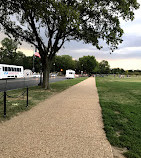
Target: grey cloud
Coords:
[[131, 41]]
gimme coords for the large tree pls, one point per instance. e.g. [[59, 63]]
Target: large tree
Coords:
[[47, 24], [10, 55], [87, 64], [64, 62], [8, 51], [104, 67]]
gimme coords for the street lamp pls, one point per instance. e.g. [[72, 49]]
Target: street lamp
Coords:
[[54, 67], [82, 70], [33, 69], [40, 75]]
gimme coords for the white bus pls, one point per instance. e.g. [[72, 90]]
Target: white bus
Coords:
[[70, 74], [11, 71]]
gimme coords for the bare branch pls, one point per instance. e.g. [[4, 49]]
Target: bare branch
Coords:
[[38, 39]]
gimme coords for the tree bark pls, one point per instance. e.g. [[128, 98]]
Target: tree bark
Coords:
[[46, 71]]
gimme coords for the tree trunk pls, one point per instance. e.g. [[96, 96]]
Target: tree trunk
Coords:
[[46, 71]]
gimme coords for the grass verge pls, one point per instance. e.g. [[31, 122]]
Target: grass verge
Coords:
[[120, 100], [36, 94]]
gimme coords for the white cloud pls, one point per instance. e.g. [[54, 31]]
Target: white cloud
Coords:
[[127, 50], [133, 27], [132, 64]]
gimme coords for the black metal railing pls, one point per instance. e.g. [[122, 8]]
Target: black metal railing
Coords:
[[7, 85], [6, 95]]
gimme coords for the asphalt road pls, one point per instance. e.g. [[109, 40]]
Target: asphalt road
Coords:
[[24, 82]]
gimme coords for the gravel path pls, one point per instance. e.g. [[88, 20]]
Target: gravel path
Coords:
[[67, 125]]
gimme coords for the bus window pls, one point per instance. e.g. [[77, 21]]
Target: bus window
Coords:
[[12, 68], [18, 69], [9, 68], [6, 69], [3, 68]]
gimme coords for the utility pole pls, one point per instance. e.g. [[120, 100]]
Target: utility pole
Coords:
[[33, 69]]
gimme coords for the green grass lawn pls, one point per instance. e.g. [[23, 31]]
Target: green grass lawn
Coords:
[[120, 99], [36, 95]]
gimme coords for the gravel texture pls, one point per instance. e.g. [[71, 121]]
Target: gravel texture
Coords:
[[67, 125]]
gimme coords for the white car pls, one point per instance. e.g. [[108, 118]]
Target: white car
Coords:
[[53, 75], [36, 75]]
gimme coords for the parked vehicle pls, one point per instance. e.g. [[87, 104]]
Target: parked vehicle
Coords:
[[53, 75], [70, 74], [35, 75], [11, 71]]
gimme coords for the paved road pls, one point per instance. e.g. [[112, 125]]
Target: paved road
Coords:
[[24, 82], [67, 125]]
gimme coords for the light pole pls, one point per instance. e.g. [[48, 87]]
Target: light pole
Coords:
[[82, 70], [40, 84], [54, 67], [33, 69]]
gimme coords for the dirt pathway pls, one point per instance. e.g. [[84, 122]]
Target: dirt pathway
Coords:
[[67, 125]]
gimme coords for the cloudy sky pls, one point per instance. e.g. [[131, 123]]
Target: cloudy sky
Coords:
[[127, 56]]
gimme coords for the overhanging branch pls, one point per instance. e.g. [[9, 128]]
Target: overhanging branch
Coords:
[[38, 39]]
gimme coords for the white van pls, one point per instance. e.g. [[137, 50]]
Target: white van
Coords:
[[70, 74]]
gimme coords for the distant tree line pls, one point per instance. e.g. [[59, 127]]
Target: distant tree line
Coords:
[[86, 64], [119, 71], [10, 55]]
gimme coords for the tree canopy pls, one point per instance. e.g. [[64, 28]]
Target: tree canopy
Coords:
[[8, 51], [10, 55], [87, 64], [104, 67], [63, 62], [47, 24]]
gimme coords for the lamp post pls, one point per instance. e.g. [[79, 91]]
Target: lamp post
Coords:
[[82, 70], [33, 68], [40, 83], [54, 67]]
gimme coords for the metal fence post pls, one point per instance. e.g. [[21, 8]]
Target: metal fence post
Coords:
[[5, 88], [40, 83], [27, 97], [4, 104]]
